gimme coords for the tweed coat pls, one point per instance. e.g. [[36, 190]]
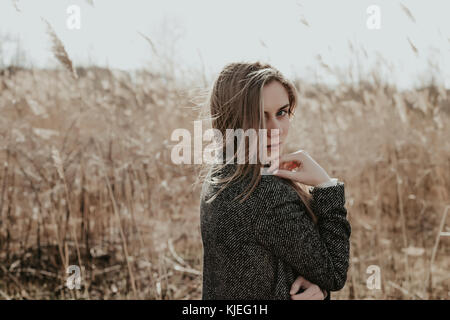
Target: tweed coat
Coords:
[[255, 250]]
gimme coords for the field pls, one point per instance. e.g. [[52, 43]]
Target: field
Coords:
[[86, 179]]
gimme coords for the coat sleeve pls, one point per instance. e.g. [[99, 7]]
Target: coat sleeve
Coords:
[[320, 253], [332, 182]]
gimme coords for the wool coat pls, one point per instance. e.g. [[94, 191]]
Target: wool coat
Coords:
[[256, 249]]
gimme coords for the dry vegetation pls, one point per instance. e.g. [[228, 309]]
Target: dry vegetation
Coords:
[[86, 179]]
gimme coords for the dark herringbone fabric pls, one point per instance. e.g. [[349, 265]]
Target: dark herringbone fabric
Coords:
[[255, 250]]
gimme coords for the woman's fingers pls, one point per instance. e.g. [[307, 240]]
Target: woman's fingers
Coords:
[[295, 158], [308, 294], [318, 295], [293, 175], [273, 165], [285, 165], [291, 165], [297, 285], [311, 293]]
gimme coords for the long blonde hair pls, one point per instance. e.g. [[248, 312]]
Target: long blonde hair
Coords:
[[235, 102]]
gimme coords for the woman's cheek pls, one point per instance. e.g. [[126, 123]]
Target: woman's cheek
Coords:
[[286, 125]]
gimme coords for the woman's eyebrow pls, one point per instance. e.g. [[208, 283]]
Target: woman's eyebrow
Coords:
[[285, 106]]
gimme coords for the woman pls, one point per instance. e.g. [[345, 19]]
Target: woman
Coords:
[[264, 236]]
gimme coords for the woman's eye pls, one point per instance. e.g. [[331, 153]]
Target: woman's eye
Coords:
[[285, 112]]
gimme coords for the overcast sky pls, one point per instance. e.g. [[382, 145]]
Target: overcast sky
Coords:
[[289, 34]]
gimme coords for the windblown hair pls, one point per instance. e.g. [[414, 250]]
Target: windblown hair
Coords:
[[235, 102]]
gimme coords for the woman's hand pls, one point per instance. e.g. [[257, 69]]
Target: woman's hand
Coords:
[[312, 292], [300, 167]]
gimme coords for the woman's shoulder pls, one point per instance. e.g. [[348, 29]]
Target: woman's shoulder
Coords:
[[274, 190], [270, 190]]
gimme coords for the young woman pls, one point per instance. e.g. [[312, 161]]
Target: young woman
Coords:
[[266, 236]]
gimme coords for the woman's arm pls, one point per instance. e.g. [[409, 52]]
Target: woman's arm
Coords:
[[319, 253]]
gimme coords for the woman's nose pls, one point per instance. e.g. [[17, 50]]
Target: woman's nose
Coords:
[[273, 129]]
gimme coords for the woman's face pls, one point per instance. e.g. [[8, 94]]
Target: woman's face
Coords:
[[276, 113]]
